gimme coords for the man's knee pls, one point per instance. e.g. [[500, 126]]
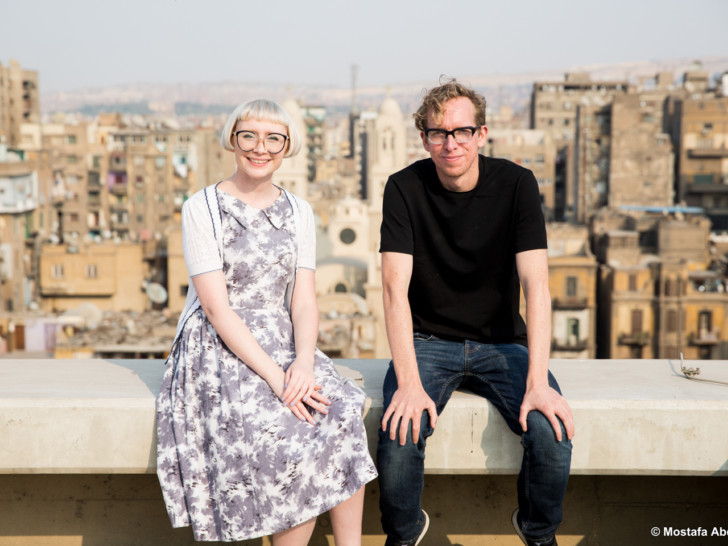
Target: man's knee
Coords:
[[541, 433]]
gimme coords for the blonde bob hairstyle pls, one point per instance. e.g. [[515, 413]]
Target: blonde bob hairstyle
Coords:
[[261, 110]]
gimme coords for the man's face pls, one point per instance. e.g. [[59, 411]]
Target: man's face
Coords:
[[456, 163]]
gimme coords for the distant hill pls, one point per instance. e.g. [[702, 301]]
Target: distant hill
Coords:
[[193, 98]]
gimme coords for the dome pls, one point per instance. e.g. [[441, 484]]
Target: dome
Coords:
[[390, 108]]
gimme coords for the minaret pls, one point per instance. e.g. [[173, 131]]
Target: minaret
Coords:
[[387, 156]]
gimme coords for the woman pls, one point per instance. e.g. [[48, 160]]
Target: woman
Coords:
[[258, 434]]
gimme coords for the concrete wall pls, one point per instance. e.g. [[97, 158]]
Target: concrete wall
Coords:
[[77, 458], [465, 510]]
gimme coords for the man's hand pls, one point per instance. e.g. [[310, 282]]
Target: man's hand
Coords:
[[407, 406], [549, 402]]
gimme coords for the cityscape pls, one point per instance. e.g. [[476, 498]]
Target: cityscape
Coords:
[[633, 174]]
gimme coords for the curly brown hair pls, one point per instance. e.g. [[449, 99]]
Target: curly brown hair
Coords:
[[435, 99]]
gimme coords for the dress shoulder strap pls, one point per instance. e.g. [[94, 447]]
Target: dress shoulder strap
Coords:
[[213, 207]]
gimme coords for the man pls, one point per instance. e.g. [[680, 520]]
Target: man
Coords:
[[459, 232]]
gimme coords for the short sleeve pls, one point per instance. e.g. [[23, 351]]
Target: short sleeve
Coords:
[[396, 230], [530, 226], [201, 250], [307, 240]]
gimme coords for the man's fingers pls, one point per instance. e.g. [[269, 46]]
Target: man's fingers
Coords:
[[386, 416], [556, 425], [432, 410], [403, 427]]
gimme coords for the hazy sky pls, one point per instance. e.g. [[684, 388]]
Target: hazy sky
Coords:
[[90, 43]]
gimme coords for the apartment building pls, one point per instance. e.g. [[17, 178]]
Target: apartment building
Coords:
[[572, 284], [641, 158], [660, 293], [702, 167], [533, 149], [109, 275], [19, 101], [19, 199]]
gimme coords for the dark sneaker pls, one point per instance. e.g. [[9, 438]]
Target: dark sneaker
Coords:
[[527, 542]]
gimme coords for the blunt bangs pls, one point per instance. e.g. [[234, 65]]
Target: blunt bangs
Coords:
[[262, 110]]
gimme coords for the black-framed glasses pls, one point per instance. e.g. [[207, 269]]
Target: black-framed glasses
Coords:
[[272, 142], [462, 135]]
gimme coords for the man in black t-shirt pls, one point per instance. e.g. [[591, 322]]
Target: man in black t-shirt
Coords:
[[461, 234]]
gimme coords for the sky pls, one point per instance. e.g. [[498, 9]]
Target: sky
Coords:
[[96, 43]]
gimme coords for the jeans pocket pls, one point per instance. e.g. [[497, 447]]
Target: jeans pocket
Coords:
[[418, 336]]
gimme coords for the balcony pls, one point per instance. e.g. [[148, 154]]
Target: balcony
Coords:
[[94, 180], [707, 153], [650, 452], [119, 188], [569, 345], [94, 200], [704, 338], [569, 303], [635, 338]]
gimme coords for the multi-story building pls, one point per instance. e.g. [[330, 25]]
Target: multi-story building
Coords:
[[18, 201], [530, 148], [109, 275], [314, 119], [572, 284], [702, 167], [19, 101], [573, 112], [659, 293], [641, 158]]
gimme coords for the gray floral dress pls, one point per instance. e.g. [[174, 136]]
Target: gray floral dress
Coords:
[[233, 461]]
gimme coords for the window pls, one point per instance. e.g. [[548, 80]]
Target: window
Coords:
[[636, 321], [347, 236], [57, 271], [571, 286], [671, 321], [572, 331], [71, 139], [705, 323], [91, 271], [340, 288], [159, 162], [633, 283]]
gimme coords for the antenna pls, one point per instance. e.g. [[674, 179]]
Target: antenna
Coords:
[[354, 70]]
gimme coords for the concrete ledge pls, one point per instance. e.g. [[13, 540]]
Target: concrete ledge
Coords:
[[634, 417]]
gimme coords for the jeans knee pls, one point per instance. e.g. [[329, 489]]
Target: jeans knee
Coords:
[[541, 434]]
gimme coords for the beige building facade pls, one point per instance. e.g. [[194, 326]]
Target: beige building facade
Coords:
[[109, 275], [19, 101]]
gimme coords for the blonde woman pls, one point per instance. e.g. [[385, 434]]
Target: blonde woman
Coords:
[[258, 434]]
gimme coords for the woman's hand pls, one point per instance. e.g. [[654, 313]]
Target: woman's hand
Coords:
[[300, 390]]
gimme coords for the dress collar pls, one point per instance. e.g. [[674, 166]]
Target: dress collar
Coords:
[[276, 212]]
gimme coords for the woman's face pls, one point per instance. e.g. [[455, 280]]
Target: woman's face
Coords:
[[258, 163]]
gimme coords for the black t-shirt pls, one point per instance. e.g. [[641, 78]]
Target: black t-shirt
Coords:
[[464, 282]]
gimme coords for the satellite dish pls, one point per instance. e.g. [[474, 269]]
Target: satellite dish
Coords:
[[156, 292]]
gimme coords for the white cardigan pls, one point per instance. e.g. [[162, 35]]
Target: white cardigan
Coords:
[[202, 242]]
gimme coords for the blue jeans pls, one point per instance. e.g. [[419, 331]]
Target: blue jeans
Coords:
[[498, 373]]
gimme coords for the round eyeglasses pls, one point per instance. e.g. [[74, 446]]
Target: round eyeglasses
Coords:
[[272, 142], [462, 135]]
